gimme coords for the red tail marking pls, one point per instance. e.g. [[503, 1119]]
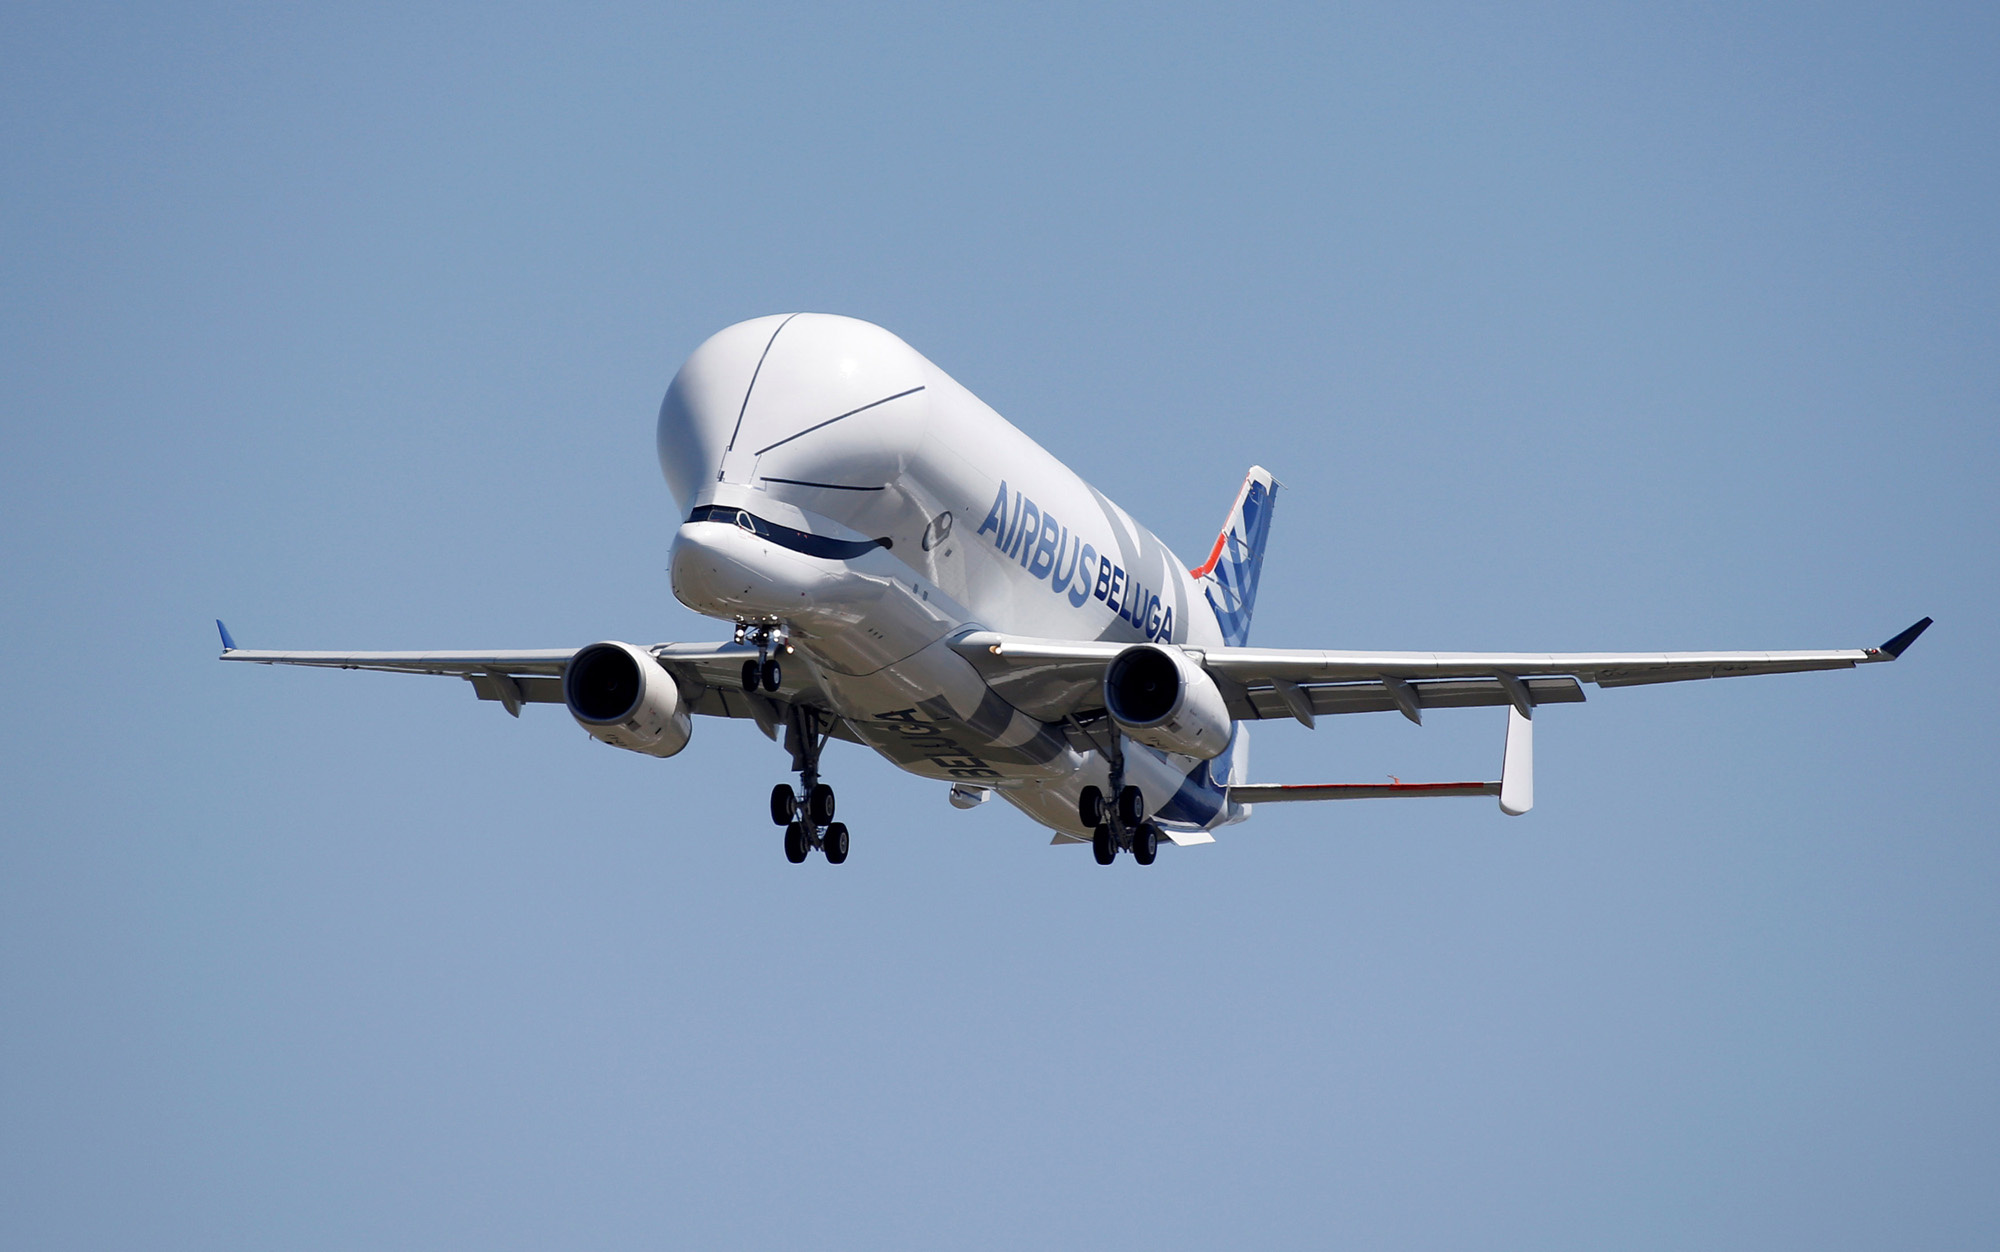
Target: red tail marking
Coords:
[[1213, 556]]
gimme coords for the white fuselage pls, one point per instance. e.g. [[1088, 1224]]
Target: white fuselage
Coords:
[[832, 433]]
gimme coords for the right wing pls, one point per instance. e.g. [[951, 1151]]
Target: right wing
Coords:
[[709, 674]]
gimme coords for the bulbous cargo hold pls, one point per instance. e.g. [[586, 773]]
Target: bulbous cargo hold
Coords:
[[621, 696], [1162, 699]]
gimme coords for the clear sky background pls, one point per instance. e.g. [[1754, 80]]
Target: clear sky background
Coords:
[[1591, 327]]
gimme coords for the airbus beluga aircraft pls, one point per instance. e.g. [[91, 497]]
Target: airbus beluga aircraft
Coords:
[[906, 570]]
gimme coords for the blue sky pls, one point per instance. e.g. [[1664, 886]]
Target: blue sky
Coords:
[[1578, 327]]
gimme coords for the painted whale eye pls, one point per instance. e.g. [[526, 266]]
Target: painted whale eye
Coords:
[[934, 534]]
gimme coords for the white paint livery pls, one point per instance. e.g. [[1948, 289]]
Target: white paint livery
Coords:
[[907, 570]]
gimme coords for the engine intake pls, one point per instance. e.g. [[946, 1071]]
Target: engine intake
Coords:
[[620, 695], [1164, 700]]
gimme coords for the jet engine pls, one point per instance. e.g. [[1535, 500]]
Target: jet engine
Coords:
[[1162, 699], [620, 695]]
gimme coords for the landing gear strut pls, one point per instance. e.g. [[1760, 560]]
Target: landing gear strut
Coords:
[[1121, 825], [807, 814]]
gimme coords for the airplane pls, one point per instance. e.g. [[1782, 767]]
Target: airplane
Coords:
[[905, 569]]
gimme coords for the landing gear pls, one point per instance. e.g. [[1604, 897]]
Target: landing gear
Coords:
[[807, 815], [784, 805], [1145, 843], [765, 671], [1090, 807], [1131, 808], [1124, 824]]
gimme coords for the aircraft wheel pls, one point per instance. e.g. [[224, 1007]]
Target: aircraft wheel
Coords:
[[796, 845], [819, 805], [774, 675], [1146, 843], [834, 843], [751, 674], [1090, 807], [1131, 808], [784, 805], [1105, 845]]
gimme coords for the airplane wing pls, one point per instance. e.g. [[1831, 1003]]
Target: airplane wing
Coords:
[[710, 675], [1054, 678]]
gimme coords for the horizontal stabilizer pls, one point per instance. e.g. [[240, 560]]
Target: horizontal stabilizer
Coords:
[[1271, 793], [1516, 788]]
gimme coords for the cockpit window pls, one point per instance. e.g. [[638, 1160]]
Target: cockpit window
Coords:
[[785, 536]]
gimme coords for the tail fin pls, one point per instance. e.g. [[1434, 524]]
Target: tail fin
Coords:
[[1229, 579]]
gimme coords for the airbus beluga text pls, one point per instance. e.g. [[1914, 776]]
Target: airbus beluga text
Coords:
[[907, 571]]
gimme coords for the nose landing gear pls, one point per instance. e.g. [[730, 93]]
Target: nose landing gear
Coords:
[[765, 671], [807, 814]]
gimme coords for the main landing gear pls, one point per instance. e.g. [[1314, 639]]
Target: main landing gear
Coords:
[[1119, 827], [807, 814]]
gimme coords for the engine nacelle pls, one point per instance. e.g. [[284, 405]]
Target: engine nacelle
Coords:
[[620, 694], [1162, 699]]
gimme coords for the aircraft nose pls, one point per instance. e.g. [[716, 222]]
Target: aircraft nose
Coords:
[[722, 570], [709, 576]]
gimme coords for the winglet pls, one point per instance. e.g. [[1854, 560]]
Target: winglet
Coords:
[[1895, 647], [229, 645]]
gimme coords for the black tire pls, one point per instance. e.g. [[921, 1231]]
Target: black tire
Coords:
[[750, 675], [1131, 808], [1104, 845], [796, 845], [1090, 807], [819, 806], [834, 843], [784, 805], [1145, 843], [774, 675]]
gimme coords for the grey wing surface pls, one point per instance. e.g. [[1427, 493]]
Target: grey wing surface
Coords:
[[1054, 678], [708, 675]]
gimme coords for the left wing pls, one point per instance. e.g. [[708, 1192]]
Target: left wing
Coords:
[[1054, 678]]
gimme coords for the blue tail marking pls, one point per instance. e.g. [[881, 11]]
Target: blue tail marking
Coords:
[[1229, 580]]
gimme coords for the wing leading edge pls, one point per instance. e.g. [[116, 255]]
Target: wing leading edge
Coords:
[[709, 673], [1055, 677]]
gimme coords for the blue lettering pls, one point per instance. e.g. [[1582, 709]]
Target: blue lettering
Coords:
[[996, 520], [1103, 578], [1057, 579], [1080, 591], [1026, 531], [1044, 558], [1153, 618], [1117, 585], [1167, 625]]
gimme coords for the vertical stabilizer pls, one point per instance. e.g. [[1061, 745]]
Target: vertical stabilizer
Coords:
[[1229, 579]]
